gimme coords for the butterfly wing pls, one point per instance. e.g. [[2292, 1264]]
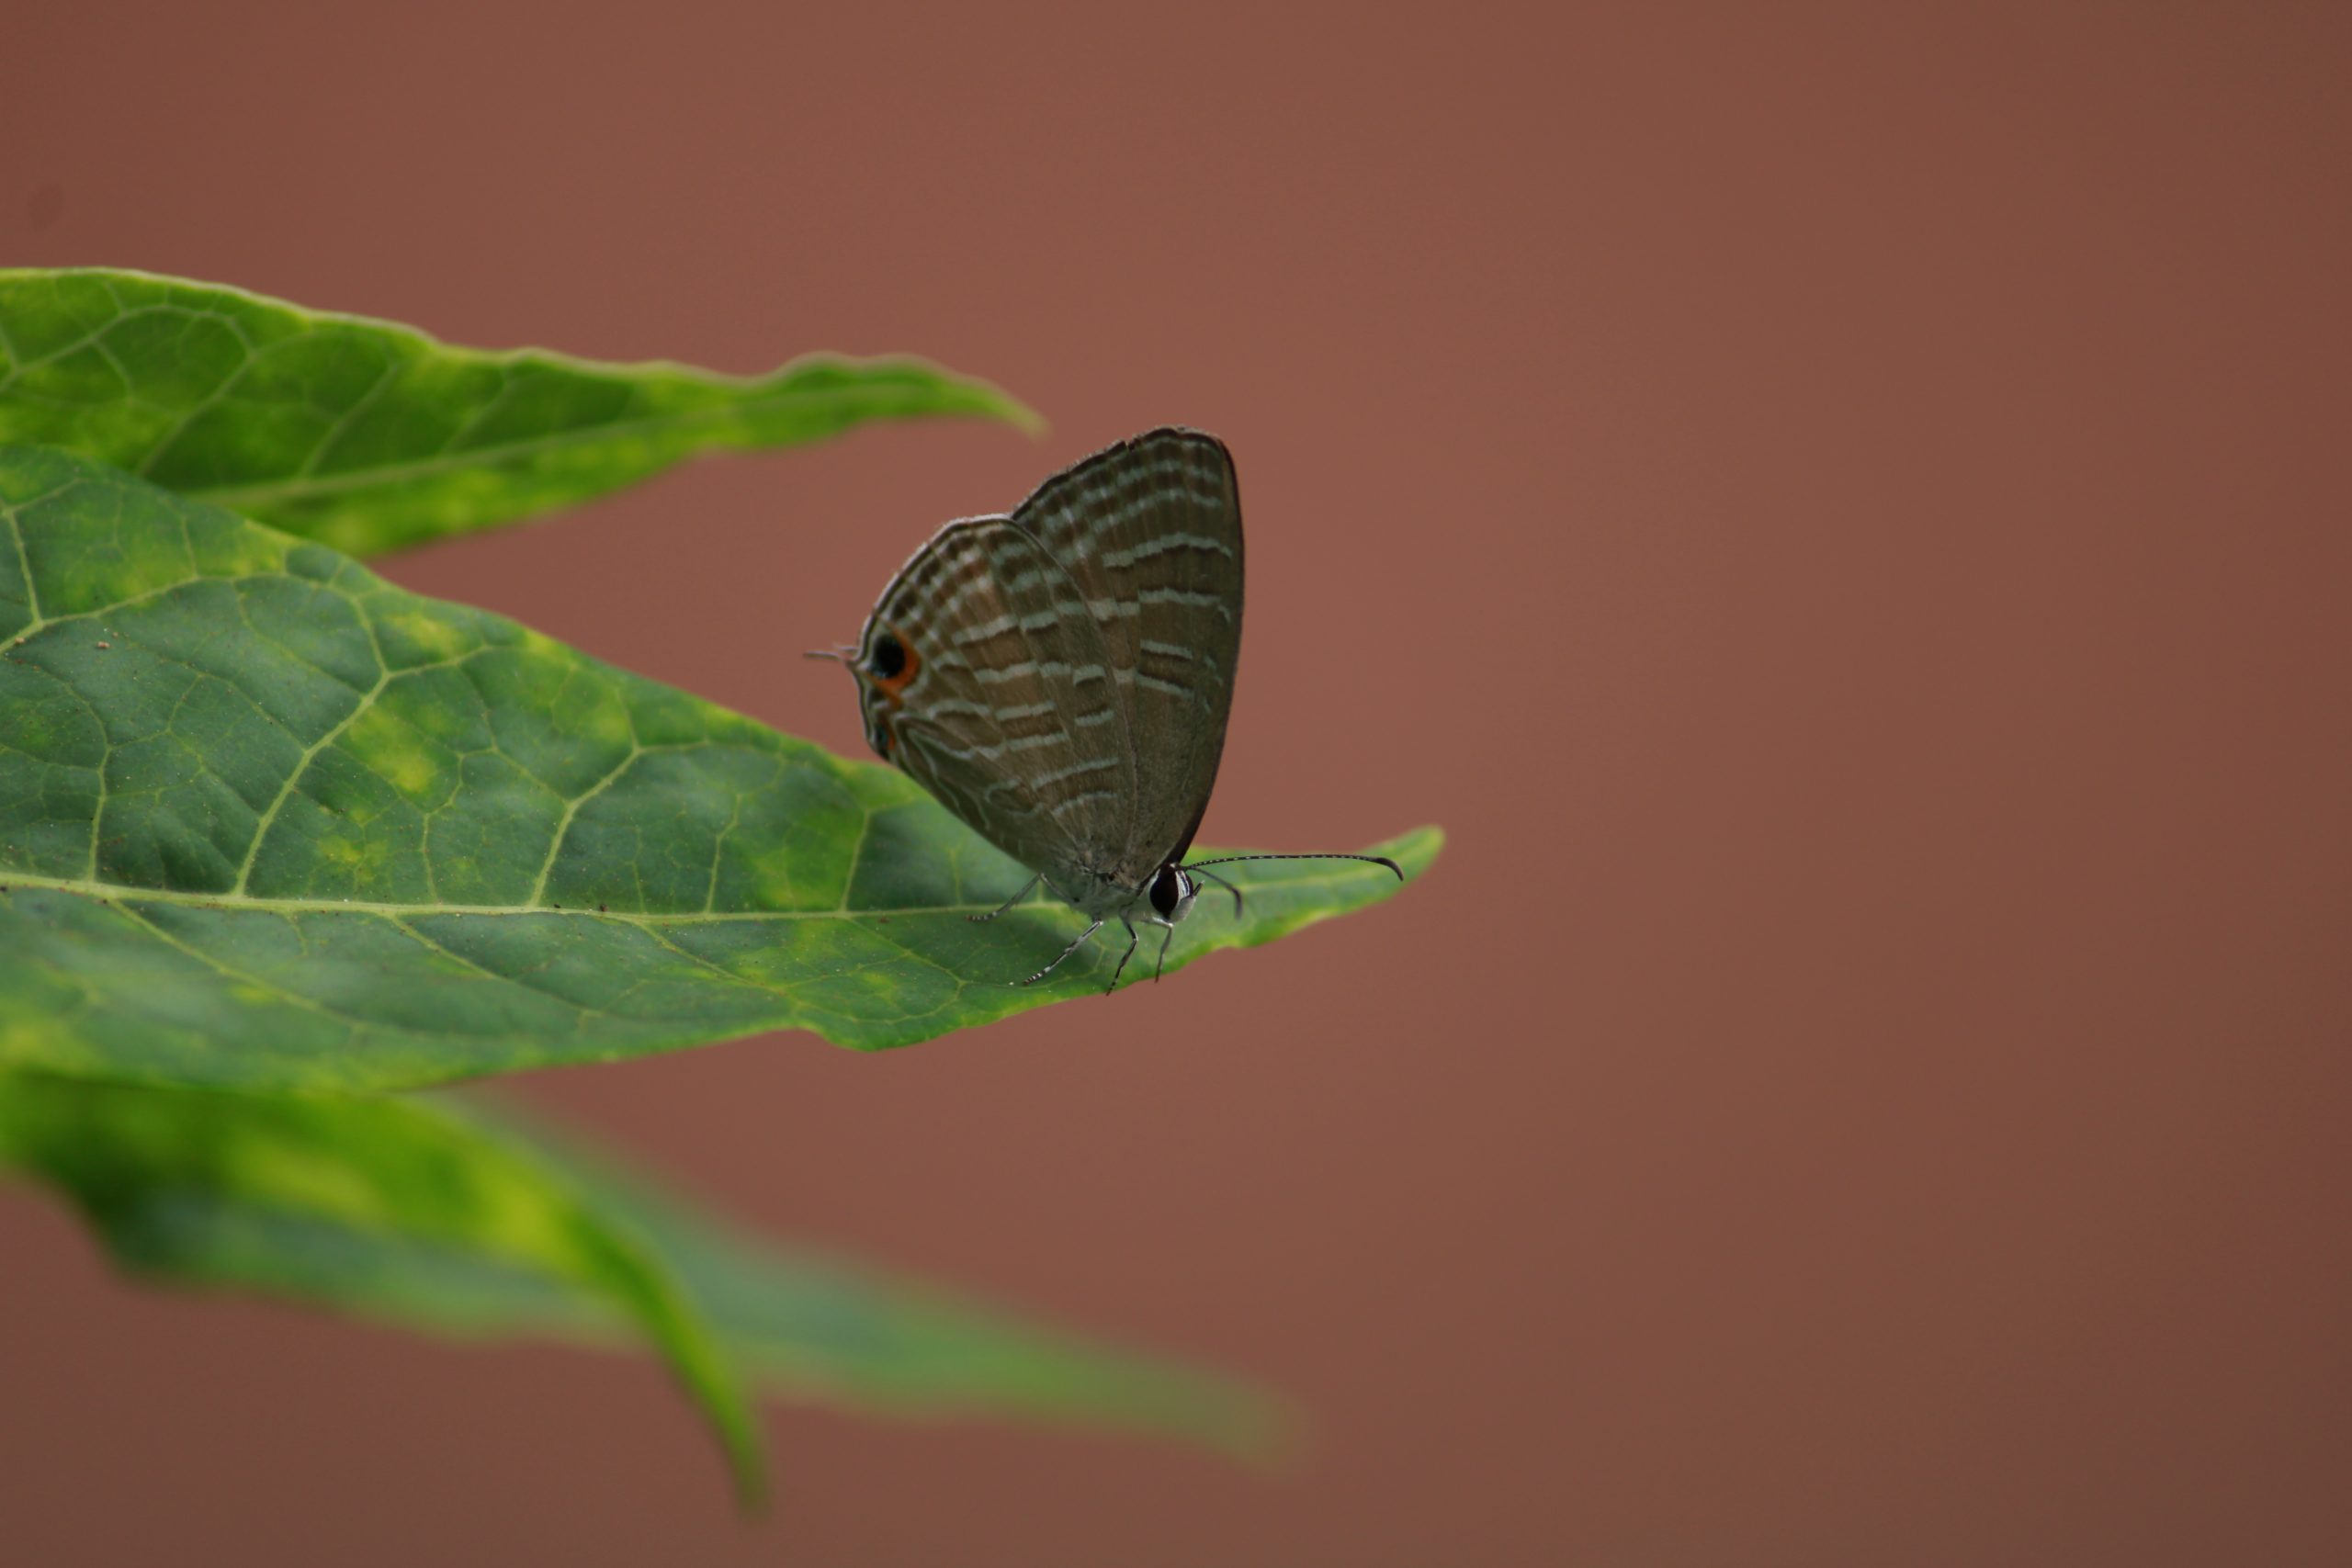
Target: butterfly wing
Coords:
[[1150, 532], [983, 676]]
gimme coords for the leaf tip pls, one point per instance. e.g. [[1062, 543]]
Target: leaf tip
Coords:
[[1265, 1433], [1415, 848], [1003, 405], [747, 1462]]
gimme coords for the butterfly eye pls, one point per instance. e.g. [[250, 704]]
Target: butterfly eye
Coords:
[[888, 658], [1167, 891]]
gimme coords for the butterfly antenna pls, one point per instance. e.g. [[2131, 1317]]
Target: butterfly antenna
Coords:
[[1369, 860], [1221, 882]]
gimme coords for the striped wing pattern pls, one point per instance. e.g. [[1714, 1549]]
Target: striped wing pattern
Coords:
[[1060, 678], [1003, 705], [1150, 530]]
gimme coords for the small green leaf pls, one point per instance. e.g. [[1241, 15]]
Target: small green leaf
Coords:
[[268, 822], [189, 1184], [368, 436], [254, 1193]]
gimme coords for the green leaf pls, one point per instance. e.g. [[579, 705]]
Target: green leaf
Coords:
[[368, 436], [268, 822], [812, 1329], [230, 1188], [448, 1234]]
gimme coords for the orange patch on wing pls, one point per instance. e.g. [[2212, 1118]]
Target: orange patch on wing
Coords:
[[895, 684]]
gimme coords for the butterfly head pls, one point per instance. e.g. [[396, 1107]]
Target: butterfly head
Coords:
[[884, 665], [1172, 893]]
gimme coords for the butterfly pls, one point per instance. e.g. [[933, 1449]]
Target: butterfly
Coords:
[[1060, 678]]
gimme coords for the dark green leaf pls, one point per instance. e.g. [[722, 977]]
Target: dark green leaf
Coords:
[[230, 1188], [267, 822], [444, 1218], [368, 436]]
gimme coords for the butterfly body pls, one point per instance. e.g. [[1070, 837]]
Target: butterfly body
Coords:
[[1059, 677]]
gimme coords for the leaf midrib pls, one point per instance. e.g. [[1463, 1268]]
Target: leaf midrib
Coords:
[[235, 497], [111, 892], [116, 893]]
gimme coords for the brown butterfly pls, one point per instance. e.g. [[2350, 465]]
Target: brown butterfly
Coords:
[[1060, 678]]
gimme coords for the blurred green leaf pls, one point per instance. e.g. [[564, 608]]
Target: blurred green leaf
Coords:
[[167, 1179], [368, 436], [268, 822], [815, 1328], [225, 1188]]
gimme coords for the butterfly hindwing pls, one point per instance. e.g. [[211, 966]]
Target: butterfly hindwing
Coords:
[[998, 698], [1150, 533]]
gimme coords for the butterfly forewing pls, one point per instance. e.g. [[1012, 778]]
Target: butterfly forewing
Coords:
[[998, 697], [1150, 532]]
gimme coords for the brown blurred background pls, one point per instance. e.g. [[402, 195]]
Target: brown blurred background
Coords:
[[1841, 511]]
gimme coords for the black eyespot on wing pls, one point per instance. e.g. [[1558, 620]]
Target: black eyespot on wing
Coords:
[[890, 657], [1166, 889]]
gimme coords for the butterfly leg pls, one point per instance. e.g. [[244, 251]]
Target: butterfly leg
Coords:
[[1221, 882], [1065, 952], [1167, 935], [1026, 888], [1130, 952]]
